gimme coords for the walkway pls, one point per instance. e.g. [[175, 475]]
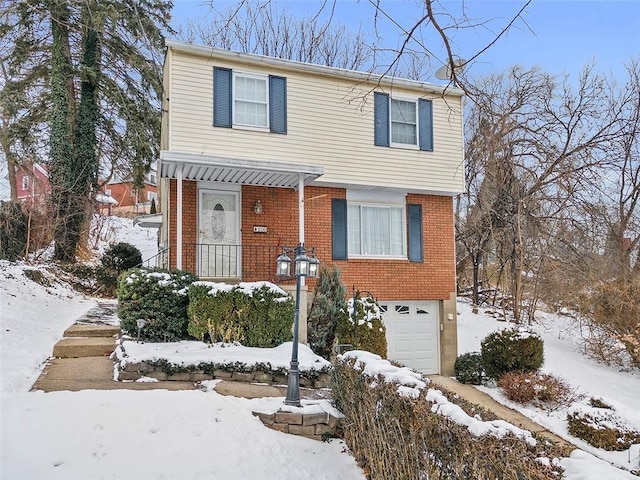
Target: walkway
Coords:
[[81, 361]]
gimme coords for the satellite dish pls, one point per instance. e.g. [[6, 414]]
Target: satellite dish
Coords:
[[444, 72]]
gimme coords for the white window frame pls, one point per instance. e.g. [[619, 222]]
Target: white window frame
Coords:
[[25, 183], [403, 226], [415, 146], [255, 76]]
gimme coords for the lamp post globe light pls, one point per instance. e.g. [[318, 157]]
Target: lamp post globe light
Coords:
[[303, 267]]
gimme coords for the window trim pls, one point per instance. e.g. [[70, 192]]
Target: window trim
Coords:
[[403, 223], [257, 76], [408, 146]]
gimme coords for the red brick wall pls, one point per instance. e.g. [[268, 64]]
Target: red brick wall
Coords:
[[434, 279], [189, 223]]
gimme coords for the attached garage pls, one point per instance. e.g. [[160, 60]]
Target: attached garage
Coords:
[[412, 333]]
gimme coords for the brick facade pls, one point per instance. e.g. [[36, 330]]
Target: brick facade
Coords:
[[432, 279]]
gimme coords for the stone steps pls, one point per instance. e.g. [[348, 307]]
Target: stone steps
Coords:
[[76, 347], [91, 330]]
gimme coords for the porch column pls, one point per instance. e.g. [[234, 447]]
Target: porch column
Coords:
[[179, 218], [301, 214]]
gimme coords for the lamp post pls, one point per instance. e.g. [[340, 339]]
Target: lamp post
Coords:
[[303, 267]]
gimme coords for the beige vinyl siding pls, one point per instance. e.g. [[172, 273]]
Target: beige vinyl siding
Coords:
[[330, 123]]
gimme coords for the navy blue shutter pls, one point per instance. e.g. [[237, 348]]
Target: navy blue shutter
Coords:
[[277, 104], [414, 212], [425, 119], [381, 119], [339, 228], [222, 97]]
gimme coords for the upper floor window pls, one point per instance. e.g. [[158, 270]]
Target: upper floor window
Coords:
[[402, 122], [249, 100], [25, 183]]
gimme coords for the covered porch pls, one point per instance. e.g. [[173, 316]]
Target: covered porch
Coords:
[[213, 220]]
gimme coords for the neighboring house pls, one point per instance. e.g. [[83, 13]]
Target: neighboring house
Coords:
[[379, 160], [33, 185], [129, 198]]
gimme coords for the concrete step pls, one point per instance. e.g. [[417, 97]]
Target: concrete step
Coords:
[[84, 347], [92, 373], [89, 330]]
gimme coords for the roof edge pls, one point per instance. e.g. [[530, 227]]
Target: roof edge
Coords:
[[312, 68]]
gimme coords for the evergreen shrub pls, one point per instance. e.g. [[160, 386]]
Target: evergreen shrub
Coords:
[[256, 314], [13, 231], [157, 296], [363, 327], [469, 369], [509, 350], [328, 309], [115, 260]]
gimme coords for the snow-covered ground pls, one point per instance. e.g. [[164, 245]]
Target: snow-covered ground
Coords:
[[564, 358], [200, 434]]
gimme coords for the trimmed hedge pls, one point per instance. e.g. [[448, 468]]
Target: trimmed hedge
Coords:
[[157, 296], [256, 314], [396, 437], [509, 350], [602, 428]]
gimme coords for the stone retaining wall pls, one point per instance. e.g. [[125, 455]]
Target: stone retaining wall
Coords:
[[134, 371], [311, 425]]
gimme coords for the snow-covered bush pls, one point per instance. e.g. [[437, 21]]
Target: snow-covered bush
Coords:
[[363, 327], [542, 390], [511, 350], [328, 308], [257, 314], [157, 296], [469, 369], [602, 428], [399, 428]]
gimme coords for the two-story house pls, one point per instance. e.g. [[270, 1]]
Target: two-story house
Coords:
[[258, 153], [128, 197], [33, 186]]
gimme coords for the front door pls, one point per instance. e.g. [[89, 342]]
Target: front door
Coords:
[[219, 234]]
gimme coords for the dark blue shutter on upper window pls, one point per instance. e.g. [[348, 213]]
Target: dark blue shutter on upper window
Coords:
[[414, 212], [339, 228], [222, 97], [277, 104], [381, 119], [425, 119]]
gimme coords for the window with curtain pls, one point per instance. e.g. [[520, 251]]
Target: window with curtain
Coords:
[[404, 125], [251, 100], [376, 230]]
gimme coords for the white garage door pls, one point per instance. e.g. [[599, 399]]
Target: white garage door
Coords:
[[412, 333]]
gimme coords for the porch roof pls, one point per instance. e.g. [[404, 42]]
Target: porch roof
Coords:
[[236, 170]]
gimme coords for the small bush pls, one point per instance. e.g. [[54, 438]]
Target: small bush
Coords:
[[602, 428], [13, 231], [328, 308], [469, 369], [157, 296], [510, 350], [363, 327], [256, 314], [539, 389], [116, 259]]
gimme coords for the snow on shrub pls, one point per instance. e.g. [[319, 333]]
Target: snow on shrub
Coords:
[[257, 314], [160, 298], [397, 427], [363, 328], [510, 350], [601, 427]]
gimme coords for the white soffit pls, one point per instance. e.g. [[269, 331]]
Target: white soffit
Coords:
[[236, 170]]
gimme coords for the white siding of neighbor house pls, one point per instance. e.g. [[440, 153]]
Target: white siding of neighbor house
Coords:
[[329, 123]]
